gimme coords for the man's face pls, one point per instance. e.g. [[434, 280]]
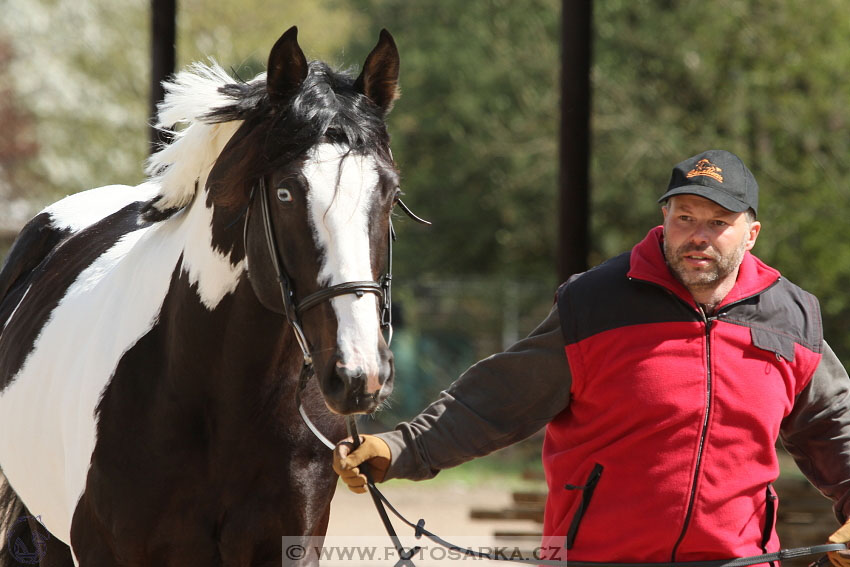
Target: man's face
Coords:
[[705, 243]]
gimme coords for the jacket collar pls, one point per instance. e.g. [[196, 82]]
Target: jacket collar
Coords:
[[647, 263]]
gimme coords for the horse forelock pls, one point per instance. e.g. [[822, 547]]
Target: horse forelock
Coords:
[[326, 108], [212, 106]]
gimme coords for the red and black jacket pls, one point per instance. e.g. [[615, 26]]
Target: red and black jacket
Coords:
[[666, 449]]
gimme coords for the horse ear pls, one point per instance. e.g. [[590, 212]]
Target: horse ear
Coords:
[[287, 67], [379, 78]]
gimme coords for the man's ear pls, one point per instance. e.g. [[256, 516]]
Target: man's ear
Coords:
[[755, 229]]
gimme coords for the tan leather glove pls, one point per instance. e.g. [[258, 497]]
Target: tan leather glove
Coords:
[[372, 450], [841, 535]]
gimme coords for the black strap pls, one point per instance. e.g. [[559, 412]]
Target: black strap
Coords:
[[381, 504], [411, 214], [586, 494], [405, 555], [357, 288], [381, 501]]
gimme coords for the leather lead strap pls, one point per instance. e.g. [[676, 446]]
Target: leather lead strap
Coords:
[[405, 555], [381, 501], [304, 417]]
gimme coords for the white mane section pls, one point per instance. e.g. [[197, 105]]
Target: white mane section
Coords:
[[190, 157]]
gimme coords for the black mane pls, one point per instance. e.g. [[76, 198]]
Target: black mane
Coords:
[[326, 108]]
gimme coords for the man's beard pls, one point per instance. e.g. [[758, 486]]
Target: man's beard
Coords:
[[709, 277]]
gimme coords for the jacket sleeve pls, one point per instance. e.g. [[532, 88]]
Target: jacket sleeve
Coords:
[[498, 401], [817, 432]]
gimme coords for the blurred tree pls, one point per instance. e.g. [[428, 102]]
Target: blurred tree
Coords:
[[17, 148], [475, 132], [17, 144], [82, 71], [81, 68], [764, 79]]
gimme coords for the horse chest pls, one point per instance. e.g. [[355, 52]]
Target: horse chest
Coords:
[[190, 511]]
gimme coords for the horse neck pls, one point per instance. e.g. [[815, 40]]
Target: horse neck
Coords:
[[235, 358], [219, 327]]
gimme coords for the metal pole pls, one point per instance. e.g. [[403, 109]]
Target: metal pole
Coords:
[[163, 57], [574, 239]]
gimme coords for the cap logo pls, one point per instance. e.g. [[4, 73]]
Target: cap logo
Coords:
[[705, 167]]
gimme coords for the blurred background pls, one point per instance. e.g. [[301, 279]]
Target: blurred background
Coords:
[[476, 136]]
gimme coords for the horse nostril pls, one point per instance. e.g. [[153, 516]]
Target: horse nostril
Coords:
[[350, 378]]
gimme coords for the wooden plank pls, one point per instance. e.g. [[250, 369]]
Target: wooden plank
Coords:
[[516, 513]]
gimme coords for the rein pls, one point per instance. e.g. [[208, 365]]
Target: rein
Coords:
[[406, 555]]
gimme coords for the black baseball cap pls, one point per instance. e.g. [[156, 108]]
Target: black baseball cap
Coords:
[[717, 175]]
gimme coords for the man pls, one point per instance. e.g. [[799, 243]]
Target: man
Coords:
[[685, 359]]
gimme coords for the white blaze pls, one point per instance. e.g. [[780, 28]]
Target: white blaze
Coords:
[[342, 190]]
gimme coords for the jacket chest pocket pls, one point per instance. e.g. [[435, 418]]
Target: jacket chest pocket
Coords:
[[781, 346], [586, 495]]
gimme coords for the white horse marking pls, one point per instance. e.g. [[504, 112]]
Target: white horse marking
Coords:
[[81, 210], [342, 191]]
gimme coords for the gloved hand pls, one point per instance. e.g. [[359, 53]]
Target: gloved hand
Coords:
[[841, 535], [372, 450]]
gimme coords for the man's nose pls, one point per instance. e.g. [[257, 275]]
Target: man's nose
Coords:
[[701, 235]]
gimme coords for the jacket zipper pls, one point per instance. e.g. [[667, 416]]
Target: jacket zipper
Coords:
[[586, 494], [707, 321]]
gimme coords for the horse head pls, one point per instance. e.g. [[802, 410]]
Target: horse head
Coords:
[[310, 176]]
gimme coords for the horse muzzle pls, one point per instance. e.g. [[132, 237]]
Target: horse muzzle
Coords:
[[350, 389]]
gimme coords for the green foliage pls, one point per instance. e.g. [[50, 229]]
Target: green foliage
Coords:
[[764, 79], [240, 34], [475, 132]]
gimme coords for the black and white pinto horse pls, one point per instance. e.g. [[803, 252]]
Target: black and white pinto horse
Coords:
[[147, 373]]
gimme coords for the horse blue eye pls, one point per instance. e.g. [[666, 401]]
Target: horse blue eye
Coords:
[[284, 195]]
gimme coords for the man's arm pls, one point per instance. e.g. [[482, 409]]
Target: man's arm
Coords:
[[817, 432], [497, 402]]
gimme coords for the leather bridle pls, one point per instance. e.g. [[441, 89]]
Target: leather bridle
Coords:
[[293, 311]]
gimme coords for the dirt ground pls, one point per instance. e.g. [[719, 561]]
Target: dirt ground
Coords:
[[805, 518], [355, 527]]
